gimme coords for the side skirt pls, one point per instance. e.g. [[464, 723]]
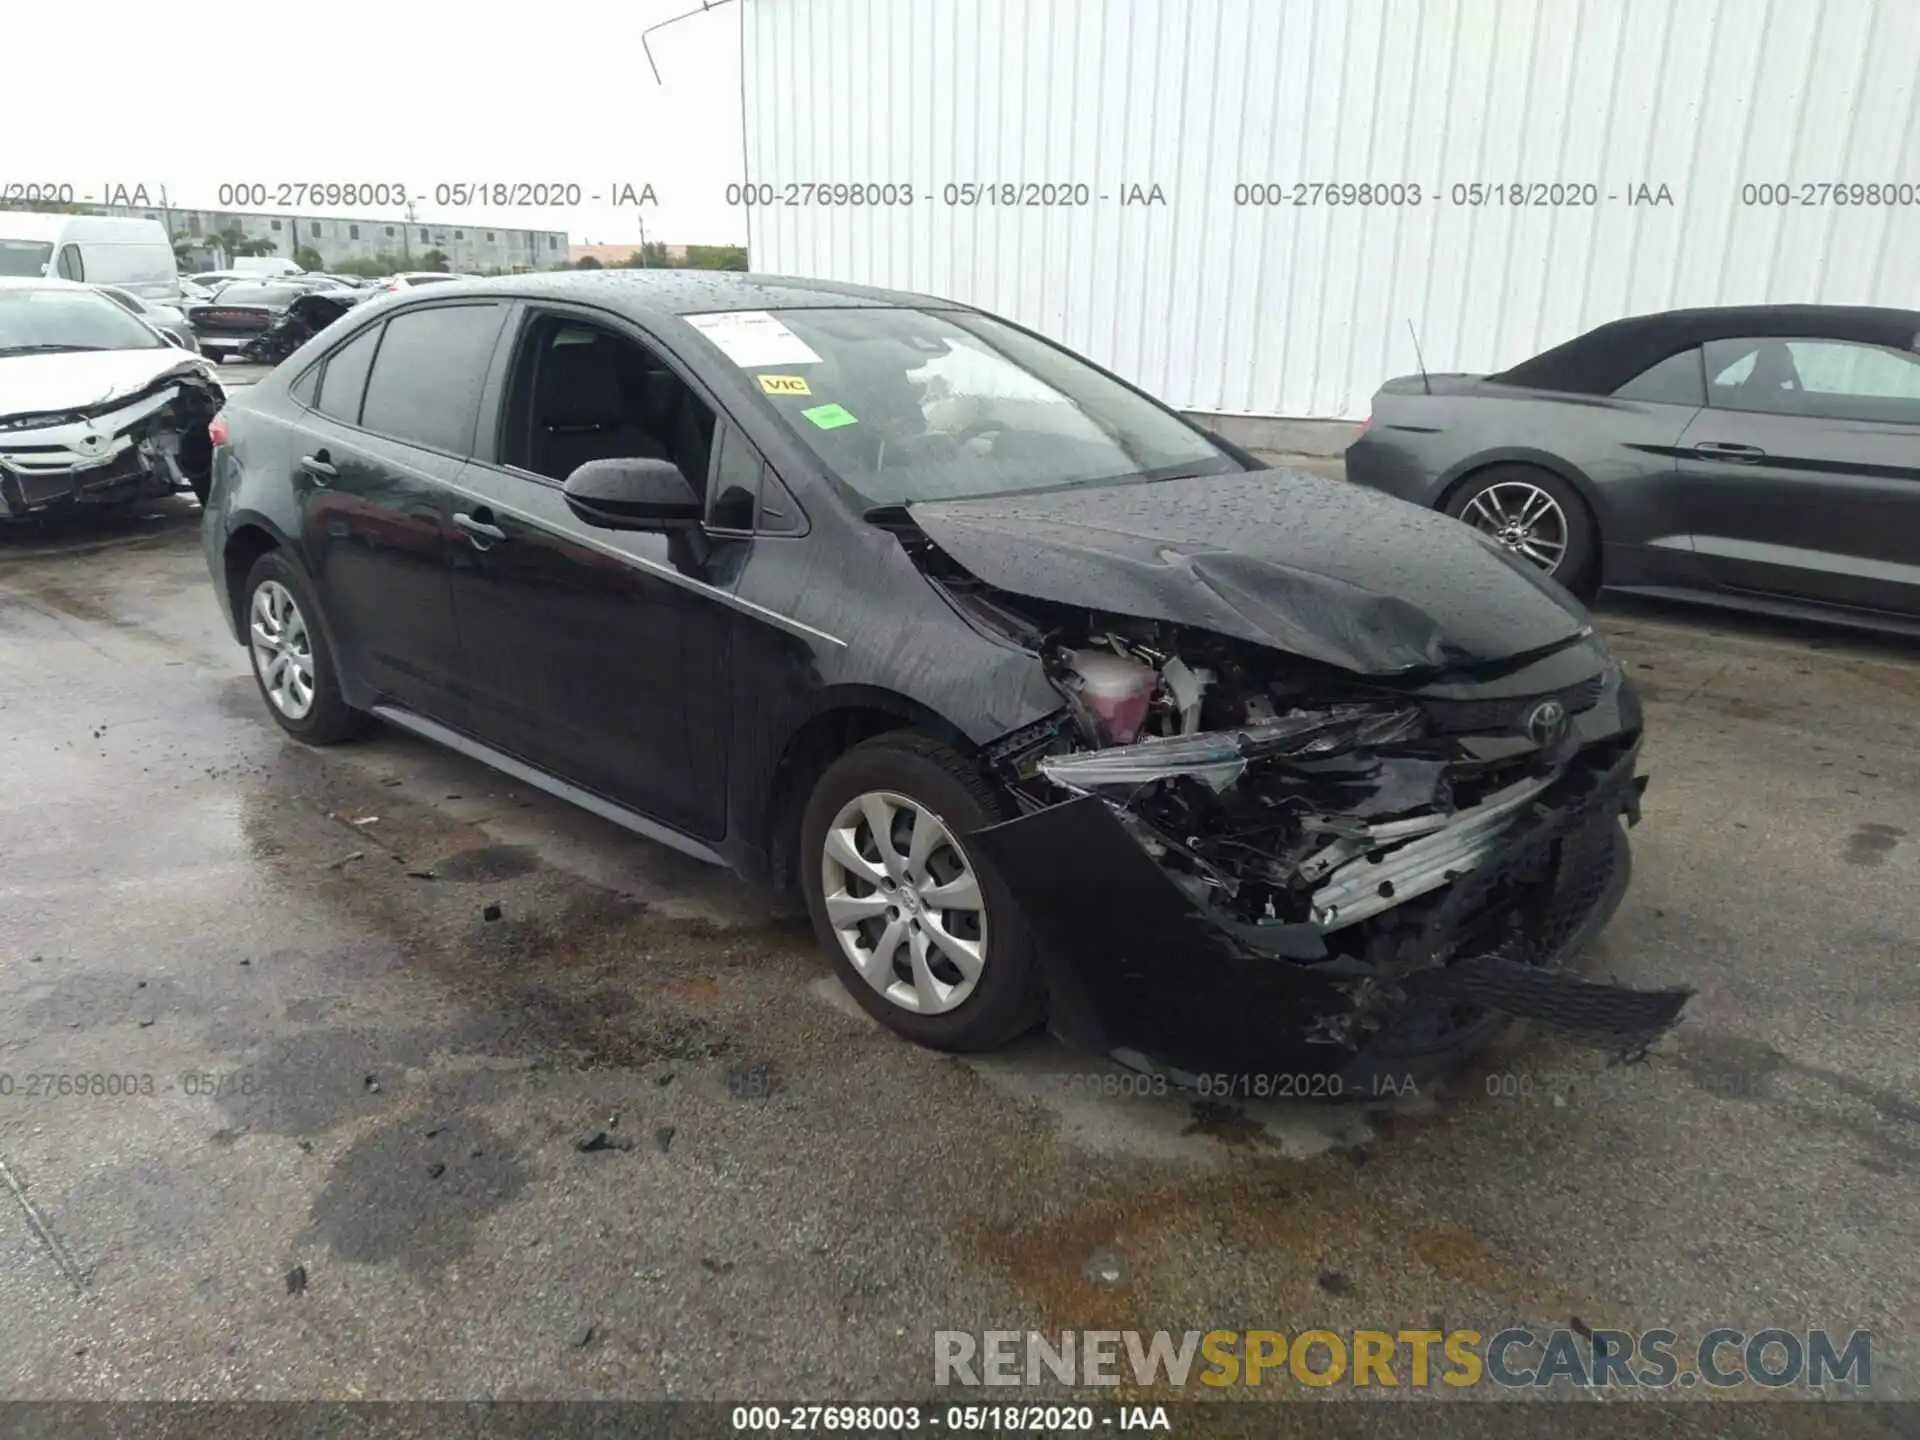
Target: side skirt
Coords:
[[539, 779]]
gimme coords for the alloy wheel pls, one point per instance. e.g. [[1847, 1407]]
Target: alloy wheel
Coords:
[[1522, 517], [282, 649], [904, 902]]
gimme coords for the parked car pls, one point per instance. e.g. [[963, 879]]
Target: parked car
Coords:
[[242, 311], [96, 408], [305, 316], [1083, 717], [413, 279], [167, 319], [192, 292], [1759, 457], [262, 267], [135, 254]]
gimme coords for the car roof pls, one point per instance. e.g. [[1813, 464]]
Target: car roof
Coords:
[[1606, 357], [40, 282], [31, 225], [674, 293]]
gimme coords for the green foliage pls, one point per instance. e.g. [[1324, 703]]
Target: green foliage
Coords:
[[716, 257], [236, 242], [587, 262], [308, 258], [434, 260], [371, 267]]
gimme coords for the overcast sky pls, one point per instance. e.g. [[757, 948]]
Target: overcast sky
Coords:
[[400, 92]]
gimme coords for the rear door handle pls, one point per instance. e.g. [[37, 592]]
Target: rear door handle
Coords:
[[319, 466], [481, 530], [1729, 450]]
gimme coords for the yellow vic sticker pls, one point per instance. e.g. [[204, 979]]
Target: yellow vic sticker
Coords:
[[784, 385]]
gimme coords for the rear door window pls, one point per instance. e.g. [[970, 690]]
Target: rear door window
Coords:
[[1676, 380], [426, 381], [72, 267], [345, 380]]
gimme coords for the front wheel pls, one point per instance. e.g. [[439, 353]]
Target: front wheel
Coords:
[[928, 943], [1537, 517]]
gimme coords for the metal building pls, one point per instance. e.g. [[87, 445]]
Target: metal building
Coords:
[[1574, 161], [467, 246]]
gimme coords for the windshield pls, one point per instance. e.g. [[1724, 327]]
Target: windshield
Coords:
[[25, 257], [909, 405], [50, 320]]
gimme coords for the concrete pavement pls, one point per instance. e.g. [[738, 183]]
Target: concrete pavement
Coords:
[[341, 1071]]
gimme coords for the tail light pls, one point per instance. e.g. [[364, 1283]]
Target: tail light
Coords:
[[217, 429]]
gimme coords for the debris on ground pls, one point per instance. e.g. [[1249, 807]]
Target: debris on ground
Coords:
[[492, 912], [296, 1280], [420, 875], [436, 1170], [1334, 1283], [716, 1267], [346, 860], [601, 1140], [583, 1337], [664, 1136]]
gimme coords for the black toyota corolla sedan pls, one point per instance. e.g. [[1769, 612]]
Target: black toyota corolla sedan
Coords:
[[1054, 706], [1763, 458]]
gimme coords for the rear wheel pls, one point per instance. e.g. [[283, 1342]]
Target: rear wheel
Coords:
[[292, 663], [927, 942], [1538, 517]]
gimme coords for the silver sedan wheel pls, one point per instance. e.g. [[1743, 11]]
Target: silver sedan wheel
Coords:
[[282, 649], [1522, 517], [904, 902]]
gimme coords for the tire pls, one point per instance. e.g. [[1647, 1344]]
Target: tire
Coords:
[[1506, 491], [271, 586], [909, 775]]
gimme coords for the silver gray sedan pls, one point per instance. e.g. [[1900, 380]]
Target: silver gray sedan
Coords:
[[164, 318]]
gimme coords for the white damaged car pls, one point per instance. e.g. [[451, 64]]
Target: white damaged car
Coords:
[[96, 406]]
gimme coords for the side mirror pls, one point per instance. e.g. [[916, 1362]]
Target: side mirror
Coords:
[[632, 494]]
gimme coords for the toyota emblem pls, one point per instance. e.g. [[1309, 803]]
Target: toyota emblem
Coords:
[[1547, 723]]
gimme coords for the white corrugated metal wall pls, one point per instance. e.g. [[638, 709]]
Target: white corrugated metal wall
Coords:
[[1303, 311]]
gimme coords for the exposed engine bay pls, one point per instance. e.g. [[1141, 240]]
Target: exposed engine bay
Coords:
[[133, 446], [1395, 837]]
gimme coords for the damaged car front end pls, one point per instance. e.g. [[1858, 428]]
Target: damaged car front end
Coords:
[[94, 414], [1319, 838]]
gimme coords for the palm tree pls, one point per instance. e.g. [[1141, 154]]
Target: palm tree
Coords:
[[236, 243]]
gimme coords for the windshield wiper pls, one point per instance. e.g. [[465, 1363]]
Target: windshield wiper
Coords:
[[44, 349]]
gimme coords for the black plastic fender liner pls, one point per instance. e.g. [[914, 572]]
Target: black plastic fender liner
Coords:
[[1609, 1013], [1132, 962]]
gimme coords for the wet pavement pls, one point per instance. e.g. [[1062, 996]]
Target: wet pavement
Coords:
[[328, 1132]]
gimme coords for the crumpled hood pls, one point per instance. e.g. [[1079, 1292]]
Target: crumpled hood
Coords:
[[85, 379], [1316, 567]]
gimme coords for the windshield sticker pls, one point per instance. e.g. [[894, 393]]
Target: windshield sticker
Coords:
[[785, 385], [829, 417], [752, 338]]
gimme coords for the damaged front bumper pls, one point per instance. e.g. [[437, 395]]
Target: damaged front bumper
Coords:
[[134, 448], [1475, 915]]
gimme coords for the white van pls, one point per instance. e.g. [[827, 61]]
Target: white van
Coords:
[[99, 249], [264, 265]]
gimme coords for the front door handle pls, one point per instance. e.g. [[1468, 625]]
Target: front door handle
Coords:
[[1729, 450], [319, 467], [480, 528]]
